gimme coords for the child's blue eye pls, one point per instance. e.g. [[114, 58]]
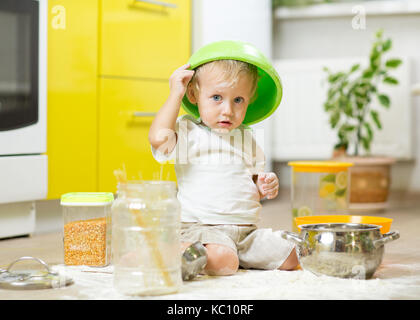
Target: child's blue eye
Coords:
[[239, 100], [217, 97]]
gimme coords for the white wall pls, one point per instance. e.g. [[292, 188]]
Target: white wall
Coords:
[[245, 20], [334, 37]]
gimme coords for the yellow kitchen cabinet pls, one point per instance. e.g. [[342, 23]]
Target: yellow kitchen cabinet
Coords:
[[144, 40], [123, 136], [72, 96], [106, 60]]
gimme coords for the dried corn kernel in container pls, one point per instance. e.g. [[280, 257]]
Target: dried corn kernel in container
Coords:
[[87, 228]]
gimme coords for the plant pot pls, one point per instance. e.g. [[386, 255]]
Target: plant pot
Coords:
[[370, 181]]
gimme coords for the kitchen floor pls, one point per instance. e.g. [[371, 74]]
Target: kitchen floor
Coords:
[[401, 262]]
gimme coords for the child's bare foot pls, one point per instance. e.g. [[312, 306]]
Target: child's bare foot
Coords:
[[291, 262]]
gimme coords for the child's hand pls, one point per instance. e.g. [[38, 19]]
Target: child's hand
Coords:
[[179, 80], [268, 185]]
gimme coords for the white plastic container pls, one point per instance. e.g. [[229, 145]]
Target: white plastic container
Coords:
[[87, 228]]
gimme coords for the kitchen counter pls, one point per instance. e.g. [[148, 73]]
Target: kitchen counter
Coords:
[[397, 278]]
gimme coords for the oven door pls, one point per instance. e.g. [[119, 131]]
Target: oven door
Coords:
[[22, 78]]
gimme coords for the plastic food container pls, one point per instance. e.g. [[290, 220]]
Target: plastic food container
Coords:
[[146, 247], [319, 187], [87, 228]]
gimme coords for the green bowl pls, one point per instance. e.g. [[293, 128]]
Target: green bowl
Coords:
[[269, 90]]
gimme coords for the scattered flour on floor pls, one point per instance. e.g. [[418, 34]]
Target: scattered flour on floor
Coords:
[[97, 283]]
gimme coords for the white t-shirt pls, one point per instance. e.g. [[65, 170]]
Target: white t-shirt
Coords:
[[214, 173]]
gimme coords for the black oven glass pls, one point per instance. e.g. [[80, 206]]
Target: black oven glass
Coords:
[[19, 34]]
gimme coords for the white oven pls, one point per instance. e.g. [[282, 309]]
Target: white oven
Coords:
[[23, 105]]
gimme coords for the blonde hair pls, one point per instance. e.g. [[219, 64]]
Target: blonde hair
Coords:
[[232, 69]]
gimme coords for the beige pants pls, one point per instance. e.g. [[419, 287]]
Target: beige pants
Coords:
[[256, 248]]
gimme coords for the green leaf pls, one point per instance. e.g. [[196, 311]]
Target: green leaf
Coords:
[[335, 117], [354, 68], [369, 131], [361, 102], [328, 106], [360, 92], [372, 88], [390, 80], [344, 84], [375, 56], [374, 59], [367, 74], [360, 105], [364, 84], [334, 77], [348, 109], [393, 63], [348, 128], [387, 45], [375, 118], [384, 100], [365, 143], [342, 101], [331, 93]]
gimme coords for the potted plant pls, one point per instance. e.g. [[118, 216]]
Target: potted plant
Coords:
[[353, 104]]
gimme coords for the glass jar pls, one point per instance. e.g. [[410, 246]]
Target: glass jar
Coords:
[[319, 188], [87, 228], [146, 251]]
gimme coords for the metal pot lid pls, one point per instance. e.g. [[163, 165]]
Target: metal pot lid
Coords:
[[32, 279]]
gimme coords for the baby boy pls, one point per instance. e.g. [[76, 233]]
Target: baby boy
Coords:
[[220, 183]]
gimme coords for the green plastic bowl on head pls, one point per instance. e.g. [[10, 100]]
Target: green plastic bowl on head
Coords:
[[269, 89]]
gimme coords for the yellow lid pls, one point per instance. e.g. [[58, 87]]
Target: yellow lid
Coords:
[[319, 166]]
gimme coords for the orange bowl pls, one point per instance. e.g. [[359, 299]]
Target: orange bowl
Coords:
[[380, 221]]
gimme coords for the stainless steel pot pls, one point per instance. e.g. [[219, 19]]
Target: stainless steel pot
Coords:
[[345, 250]]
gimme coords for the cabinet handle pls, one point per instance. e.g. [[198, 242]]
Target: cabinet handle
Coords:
[[159, 3], [144, 114]]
